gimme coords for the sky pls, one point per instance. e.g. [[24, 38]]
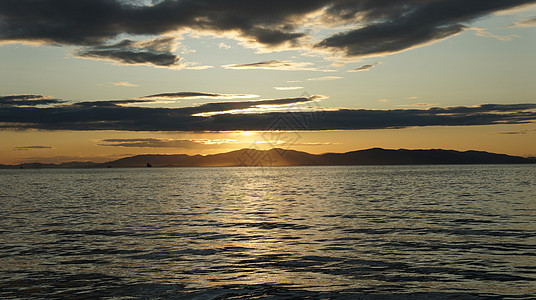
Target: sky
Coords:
[[96, 80]]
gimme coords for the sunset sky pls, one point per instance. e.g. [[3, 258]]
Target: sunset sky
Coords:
[[103, 79]]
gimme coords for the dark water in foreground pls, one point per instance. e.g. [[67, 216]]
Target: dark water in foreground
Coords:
[[429, 232]]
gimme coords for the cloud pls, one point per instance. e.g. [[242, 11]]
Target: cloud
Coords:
[[288, 88], [193, 66], [27, 100], [157, 52], [376, 27], [281, 65], [483, 33], [253, 107], [526, 131], [395, 26], [111, 103], [237, 116], [26, 148], [417, 105], [364, 68], [164, 143], [123, 83], [279, 143], [197, 95], [382, 39], [314, 143], [223, 46], [325, 78], [530, 22], [93, 22]]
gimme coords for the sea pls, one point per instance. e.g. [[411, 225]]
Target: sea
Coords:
[[329, 232]]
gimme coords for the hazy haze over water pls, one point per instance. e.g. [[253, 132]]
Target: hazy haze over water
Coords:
[[318, 232]]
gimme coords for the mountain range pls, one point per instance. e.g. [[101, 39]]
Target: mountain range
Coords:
[[283, 157]]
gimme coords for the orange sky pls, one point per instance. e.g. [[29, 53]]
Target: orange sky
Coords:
[[88, 146]]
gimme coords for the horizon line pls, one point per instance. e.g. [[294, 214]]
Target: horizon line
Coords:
[[278, 149]]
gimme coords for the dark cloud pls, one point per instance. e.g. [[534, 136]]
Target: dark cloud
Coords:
[[386, 38], [110, 103], [156, 52], [92, 22], [114, 115], [25, 148], [398, 25], [484, 108], [223, 107], [378, 26], [27, 100], [85, 22]]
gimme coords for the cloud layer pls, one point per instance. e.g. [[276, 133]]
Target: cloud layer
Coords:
[[164, 143], [376, 27], [282, 65], [27, 100], [25, 148], [238, 116], [196, 95]]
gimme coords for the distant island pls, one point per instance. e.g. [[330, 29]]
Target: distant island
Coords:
[[283, 157]]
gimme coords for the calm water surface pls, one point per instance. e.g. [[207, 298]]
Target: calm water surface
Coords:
[[429, 232]]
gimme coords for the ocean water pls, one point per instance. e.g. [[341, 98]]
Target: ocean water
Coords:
[[355, 232]]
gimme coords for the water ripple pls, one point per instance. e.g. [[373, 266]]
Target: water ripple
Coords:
[[413, 232]]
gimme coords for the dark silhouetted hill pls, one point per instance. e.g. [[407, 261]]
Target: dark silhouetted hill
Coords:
[[281, 157]]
